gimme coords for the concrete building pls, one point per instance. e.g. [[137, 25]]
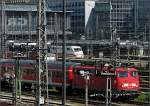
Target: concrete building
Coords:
[[19, 21]]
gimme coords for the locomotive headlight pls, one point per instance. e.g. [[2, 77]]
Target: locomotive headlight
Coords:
[[115, 81], [134, 85], [125, 85]]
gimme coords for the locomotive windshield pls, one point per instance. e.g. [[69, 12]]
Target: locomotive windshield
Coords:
[[77, 49], [134, 74], [122, 74]]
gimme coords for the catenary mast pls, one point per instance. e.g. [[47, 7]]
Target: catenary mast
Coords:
[[3, 35], [42, 72]]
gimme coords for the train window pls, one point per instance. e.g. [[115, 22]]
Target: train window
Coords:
[[68, 49], [57, 74], [122, 74], [134, 74], [77, 71], [77, 49]]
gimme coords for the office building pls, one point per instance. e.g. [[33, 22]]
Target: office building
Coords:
[[18, 21], [81, 15], [129, 18]]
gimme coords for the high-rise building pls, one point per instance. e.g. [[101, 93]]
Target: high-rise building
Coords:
[[93, 19], [143, 26], [101, 21], [129, 18], [81, 15], [123, 17], [89, 19], [20, 20]]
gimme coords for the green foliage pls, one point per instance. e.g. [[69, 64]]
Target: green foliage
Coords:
[[143, 97]]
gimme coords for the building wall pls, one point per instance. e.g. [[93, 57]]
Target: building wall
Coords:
[[21, 22]]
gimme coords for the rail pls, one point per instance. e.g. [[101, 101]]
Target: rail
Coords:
[[72, 100], [144, 81]]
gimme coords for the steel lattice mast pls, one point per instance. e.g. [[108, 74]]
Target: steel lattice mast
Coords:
[[115, 47], [42, 72], [3, 35], [115, 40]]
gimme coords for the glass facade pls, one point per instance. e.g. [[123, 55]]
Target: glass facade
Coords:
[[102, 20], [122, 18], [130, 18], [24, 2], [143, 19], [77, 15]]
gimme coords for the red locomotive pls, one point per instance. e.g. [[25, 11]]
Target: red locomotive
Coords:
[[125, 82]]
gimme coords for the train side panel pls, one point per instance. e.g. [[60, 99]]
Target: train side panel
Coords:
[[94, 82]]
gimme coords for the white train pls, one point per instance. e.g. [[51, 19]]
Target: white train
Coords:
[[71, 51]]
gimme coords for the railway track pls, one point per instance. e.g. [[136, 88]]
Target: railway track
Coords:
[[144, 81], [28, 100], [55, 100]]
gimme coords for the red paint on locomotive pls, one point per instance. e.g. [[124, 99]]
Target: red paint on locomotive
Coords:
[[127, 79]]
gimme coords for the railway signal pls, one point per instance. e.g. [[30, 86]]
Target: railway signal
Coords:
[[17, 80], [108, 95], [86, 76], [108, 75]]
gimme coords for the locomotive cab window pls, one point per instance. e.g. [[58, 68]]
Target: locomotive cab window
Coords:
[[77, 49], [69, 49], [134, 74], [123, 74]]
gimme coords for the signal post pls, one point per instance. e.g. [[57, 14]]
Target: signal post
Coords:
[[108, 75], [86, 76]]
